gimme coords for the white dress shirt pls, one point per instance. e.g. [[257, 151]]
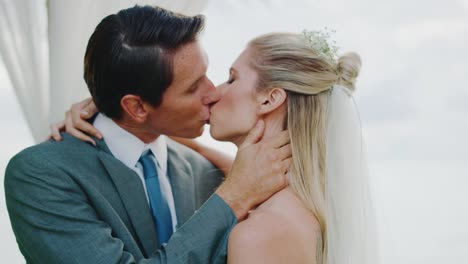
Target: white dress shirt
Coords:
[[127, 148]]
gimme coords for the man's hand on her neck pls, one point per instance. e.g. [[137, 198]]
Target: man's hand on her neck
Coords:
[[259, 171]]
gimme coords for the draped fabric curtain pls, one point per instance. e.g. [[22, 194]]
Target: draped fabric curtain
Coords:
[[24, 50], [42, 44]]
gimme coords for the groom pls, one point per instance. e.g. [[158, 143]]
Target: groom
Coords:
[[138, 197]]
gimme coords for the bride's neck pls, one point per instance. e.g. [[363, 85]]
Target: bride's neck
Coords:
[[273, 125]]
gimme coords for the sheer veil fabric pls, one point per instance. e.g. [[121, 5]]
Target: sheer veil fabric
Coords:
[[351, 223]]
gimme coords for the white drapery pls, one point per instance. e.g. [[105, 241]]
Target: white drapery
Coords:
[[24, 49], [42, 44]]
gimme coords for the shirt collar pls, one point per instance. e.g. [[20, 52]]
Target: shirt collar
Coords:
[[126, 147]]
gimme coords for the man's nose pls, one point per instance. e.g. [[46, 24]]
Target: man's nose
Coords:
[[213, 95]]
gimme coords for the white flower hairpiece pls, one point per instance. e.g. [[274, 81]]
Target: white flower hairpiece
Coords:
[[321, 41]]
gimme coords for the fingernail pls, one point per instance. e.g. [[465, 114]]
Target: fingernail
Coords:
[[84, 113], [99, 136]]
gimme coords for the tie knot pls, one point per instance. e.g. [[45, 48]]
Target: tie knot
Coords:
[[149, 167], [146, 154]]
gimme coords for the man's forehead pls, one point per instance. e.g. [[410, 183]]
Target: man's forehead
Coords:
[[190, 52], [190, 62]]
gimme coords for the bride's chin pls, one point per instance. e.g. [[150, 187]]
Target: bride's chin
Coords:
[[215, 134]]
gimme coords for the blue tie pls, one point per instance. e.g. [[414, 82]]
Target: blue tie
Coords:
[[158, 203]]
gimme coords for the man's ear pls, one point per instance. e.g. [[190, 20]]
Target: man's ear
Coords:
[[135, 108], [270, 100]]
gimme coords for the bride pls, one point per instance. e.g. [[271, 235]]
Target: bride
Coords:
[[296, 82]]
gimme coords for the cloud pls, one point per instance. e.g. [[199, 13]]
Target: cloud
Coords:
[[417, 33], [463, 3]]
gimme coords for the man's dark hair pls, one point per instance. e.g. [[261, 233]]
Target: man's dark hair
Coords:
[[132, 52]]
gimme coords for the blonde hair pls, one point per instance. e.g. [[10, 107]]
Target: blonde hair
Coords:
[[285, 60]]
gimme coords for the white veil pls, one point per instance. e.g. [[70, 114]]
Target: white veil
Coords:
[[351, 223]]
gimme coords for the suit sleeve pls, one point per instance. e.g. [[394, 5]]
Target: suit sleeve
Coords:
[[202, 239], [54, 222]]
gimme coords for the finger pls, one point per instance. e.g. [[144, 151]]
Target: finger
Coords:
[[68, 121], [81, 136], [89, 109], [281, 180], [55, 130], [86, 102], [280, 140], [80, 124], [77, 108], [286, 165], [284, 152], [286, 178], [49, 137], [255, 134], [74, 132], [87, 128]]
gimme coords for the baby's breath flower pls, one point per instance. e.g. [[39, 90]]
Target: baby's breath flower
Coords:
[[321, 41]]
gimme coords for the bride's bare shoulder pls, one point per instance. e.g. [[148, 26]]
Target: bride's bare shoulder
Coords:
[[280, 231]]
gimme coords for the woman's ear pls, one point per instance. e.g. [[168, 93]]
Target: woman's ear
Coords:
[[270, 100], [134, 108]]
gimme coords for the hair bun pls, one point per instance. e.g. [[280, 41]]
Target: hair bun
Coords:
[[349, 65]]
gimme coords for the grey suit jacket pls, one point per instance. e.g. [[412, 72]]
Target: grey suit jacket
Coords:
[[71, 202]]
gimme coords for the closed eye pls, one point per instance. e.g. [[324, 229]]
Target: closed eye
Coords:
[[231, 76]]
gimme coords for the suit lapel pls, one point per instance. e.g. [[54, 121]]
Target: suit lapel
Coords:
[[132, 194], [182, 184]]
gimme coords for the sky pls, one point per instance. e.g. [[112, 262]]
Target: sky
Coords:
[[412, 94]]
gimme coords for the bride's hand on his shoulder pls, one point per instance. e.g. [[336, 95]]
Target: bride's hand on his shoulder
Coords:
[[75, 122]]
